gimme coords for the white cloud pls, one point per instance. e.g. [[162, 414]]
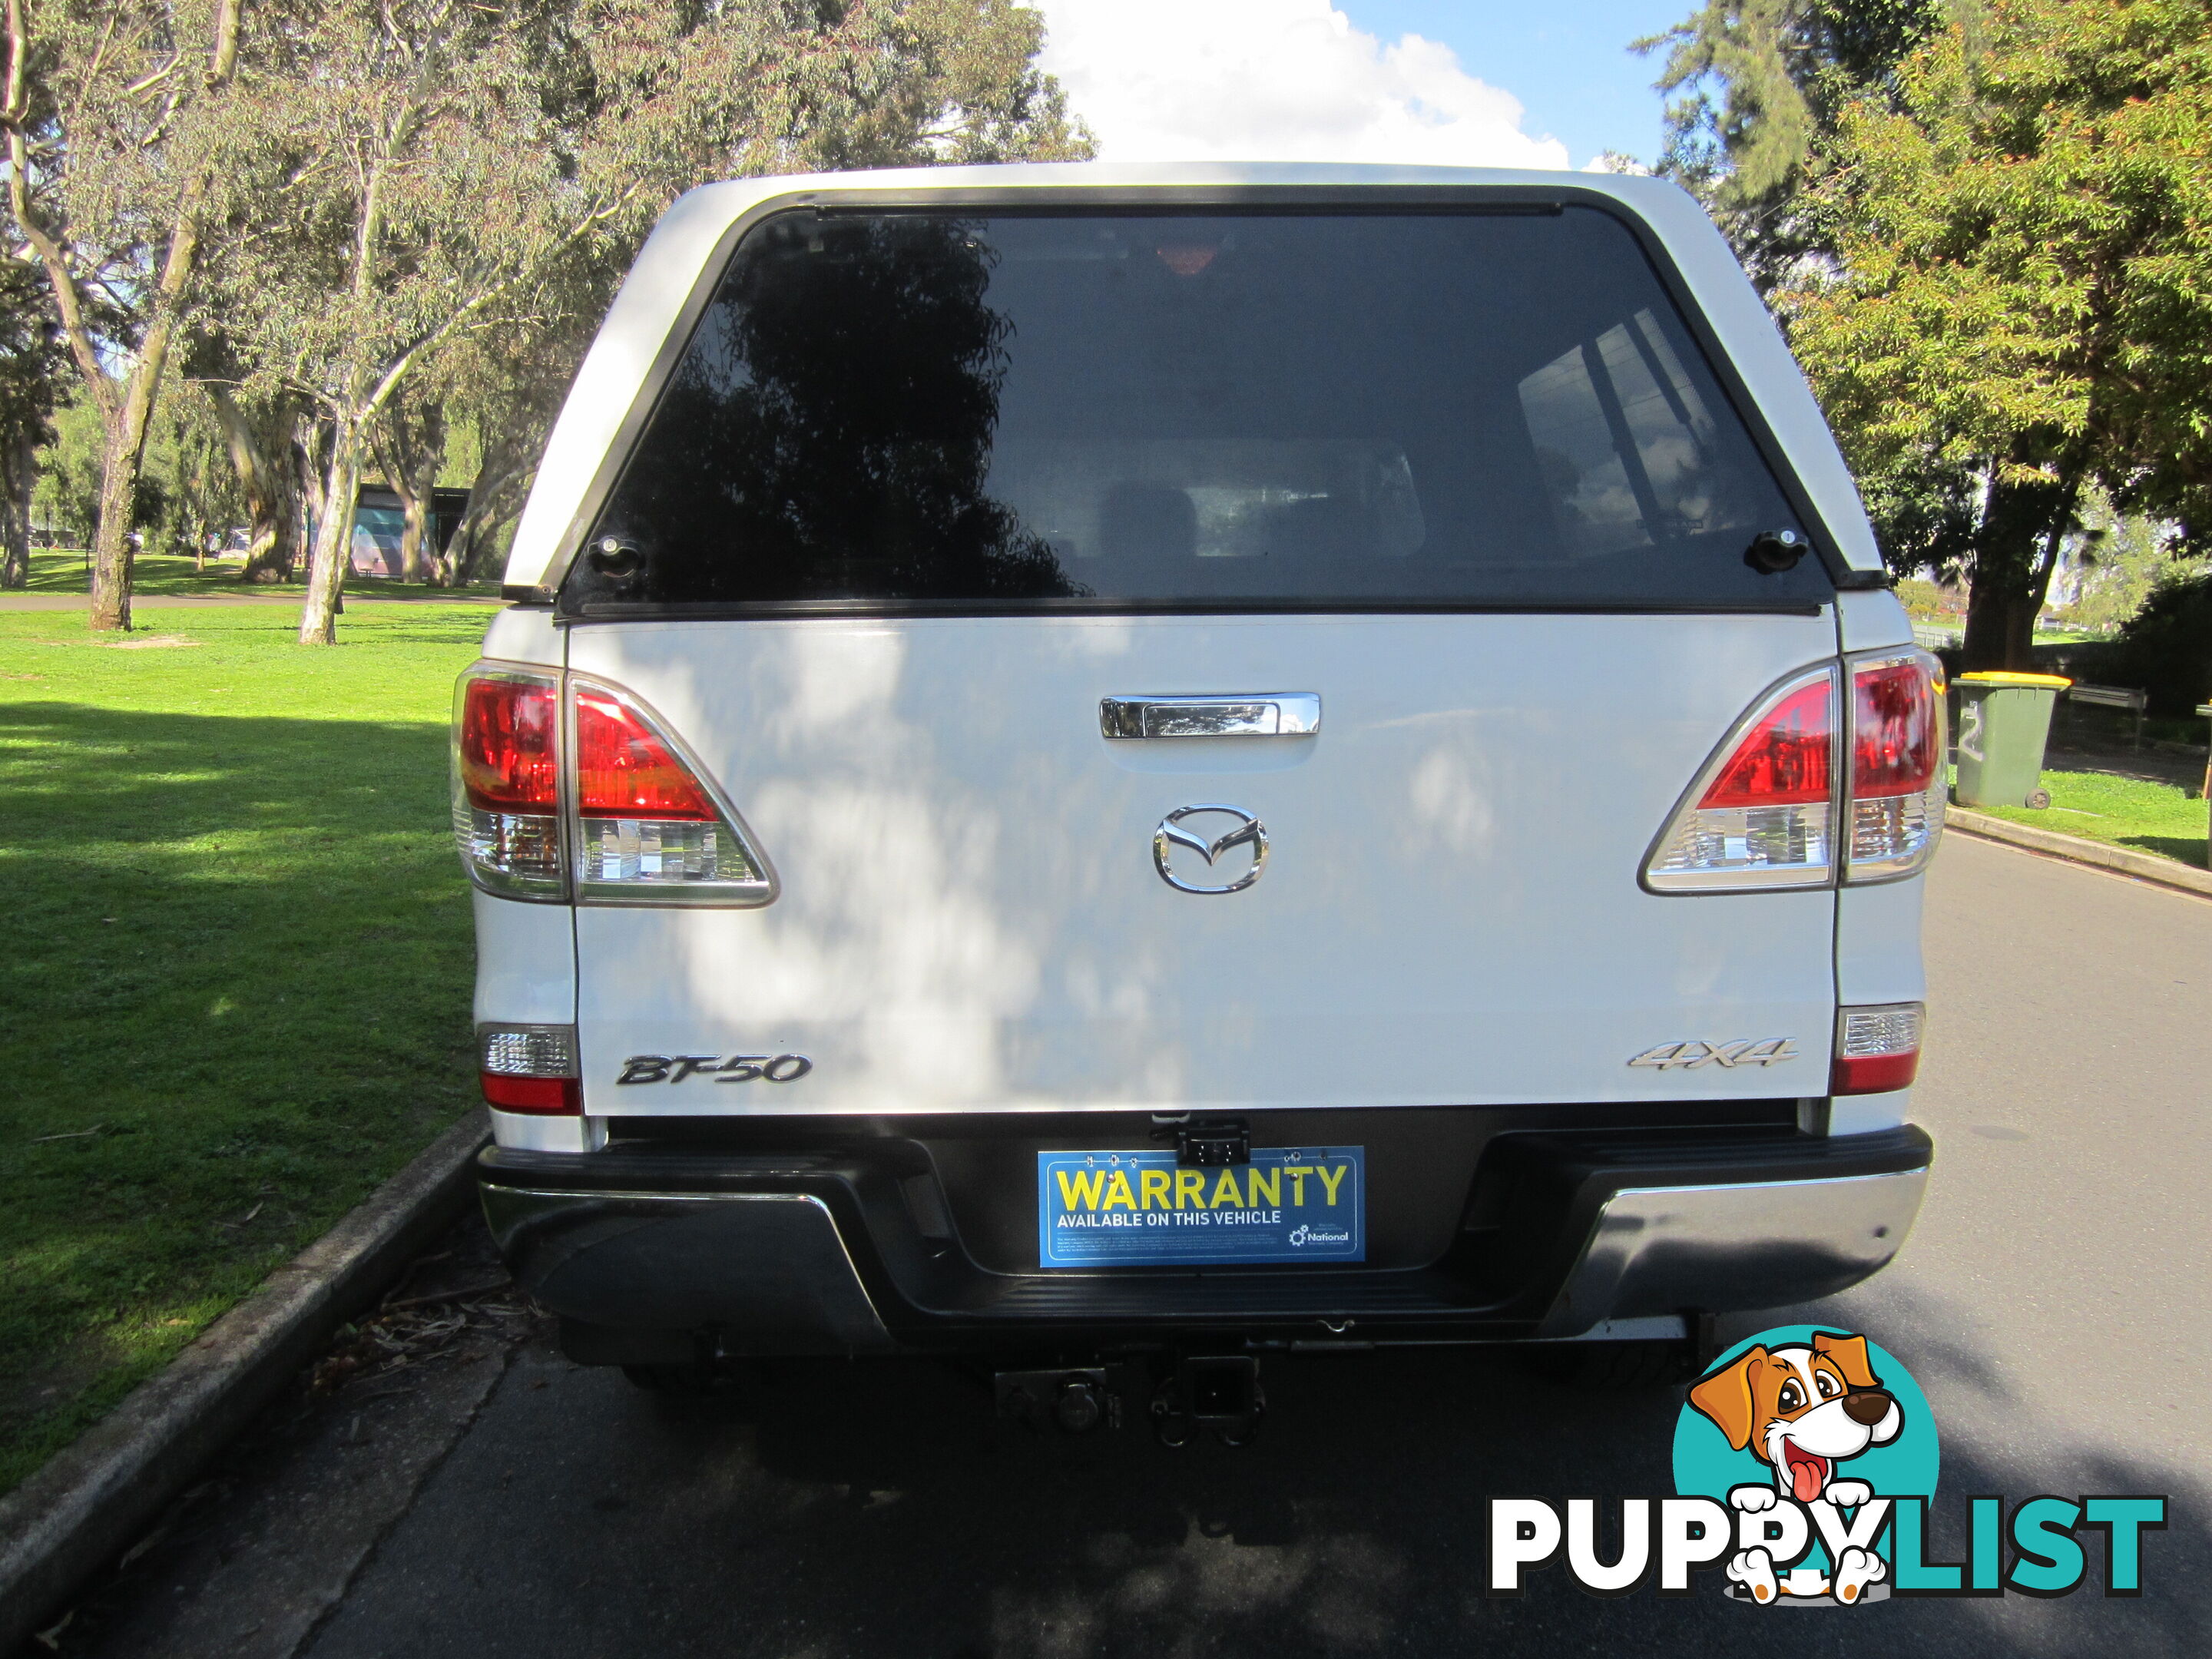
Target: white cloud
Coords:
[[1275, 81]]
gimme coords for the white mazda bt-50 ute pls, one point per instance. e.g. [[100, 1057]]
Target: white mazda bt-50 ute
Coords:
[[1122, 769]]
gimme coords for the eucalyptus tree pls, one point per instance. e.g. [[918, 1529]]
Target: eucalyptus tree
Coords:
[[117, 121], [448, 167]]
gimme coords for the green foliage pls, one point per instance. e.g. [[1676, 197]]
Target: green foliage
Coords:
[[2019, 305], [1755, 88], [2119, 562], [2166, 647], [68, 494], [1924, 601], [236, 926]]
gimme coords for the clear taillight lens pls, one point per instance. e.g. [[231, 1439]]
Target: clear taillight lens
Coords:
[[506, 777], [648, 827], [1877, 1049], [530, 1068], [1762, 814], [1897, 765]]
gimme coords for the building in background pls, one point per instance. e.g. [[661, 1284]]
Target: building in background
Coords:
[[379, 521]]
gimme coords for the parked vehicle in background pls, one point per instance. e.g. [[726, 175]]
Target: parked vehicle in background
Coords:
[[1130, 768]]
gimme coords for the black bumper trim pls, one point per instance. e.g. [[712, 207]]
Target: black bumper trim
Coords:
[[1539, 1200]]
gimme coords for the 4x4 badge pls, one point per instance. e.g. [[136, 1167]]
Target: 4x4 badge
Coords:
[[1689, 1056], [1247, 831]]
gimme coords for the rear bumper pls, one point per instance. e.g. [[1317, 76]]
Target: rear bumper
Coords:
[[798, 1252]]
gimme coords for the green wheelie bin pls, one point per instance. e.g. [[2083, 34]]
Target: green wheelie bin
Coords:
[[2005, 720]]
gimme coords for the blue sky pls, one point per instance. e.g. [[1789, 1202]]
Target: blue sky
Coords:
[[1426, 81], [1567, 62]]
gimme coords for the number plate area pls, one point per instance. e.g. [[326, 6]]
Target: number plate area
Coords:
[[1141, 1210]]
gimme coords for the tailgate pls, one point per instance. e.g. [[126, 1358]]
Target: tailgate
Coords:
[[972, 917]]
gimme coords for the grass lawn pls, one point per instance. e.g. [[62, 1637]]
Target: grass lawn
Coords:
[[164, 575], [2151, 817], [237, 965]]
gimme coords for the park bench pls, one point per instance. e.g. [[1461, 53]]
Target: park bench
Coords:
[[2131, 698]]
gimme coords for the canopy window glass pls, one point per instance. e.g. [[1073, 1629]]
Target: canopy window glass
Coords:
[[1354, 409]]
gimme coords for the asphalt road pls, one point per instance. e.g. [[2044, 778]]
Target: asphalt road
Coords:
[[2052, 1303]]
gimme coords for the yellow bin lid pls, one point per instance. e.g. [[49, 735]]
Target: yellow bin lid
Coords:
[[1998, 677]]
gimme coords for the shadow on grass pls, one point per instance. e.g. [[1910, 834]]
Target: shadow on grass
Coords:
[[237, 959], [2189, 849]]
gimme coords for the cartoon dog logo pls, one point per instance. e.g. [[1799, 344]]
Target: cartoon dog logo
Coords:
[[1803, 1409]]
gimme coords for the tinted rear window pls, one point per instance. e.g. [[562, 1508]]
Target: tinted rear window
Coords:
[[1355, 409]]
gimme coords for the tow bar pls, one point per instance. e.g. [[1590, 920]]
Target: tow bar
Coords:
[[1217, 1393]]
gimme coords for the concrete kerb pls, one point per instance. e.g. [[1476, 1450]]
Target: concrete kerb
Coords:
[[92, 1499], [2144, 867]]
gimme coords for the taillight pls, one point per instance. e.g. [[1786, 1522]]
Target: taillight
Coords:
[[1898, 784], [507, 801], [1877, 1049], [530, 1068], [1760, 815], [601, 775], [649, 827]]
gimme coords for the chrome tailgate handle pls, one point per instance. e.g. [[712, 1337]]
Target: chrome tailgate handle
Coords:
[[1262, 715]]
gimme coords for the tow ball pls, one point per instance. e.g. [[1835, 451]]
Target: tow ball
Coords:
[[1074, 1399], [1214, 1393]]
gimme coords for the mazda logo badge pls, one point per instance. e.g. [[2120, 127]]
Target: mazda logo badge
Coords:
[[1245, 830]]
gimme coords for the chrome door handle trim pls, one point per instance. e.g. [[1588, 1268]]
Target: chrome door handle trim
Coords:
[[1262, 714]]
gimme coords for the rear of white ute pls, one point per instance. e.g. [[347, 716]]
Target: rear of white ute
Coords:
[[1120, 762]]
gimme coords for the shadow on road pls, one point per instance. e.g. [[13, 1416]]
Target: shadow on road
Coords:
[[879, 1509]]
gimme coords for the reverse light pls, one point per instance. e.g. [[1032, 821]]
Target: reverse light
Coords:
[[1761, 814], [1898, 786], [506, 780], [649, 829], [1877, 1049], [530, 1068]]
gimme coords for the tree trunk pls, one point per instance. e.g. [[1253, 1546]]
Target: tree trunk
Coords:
[[490, 494], [111, 560], [304, 476], [2014, 555], [23, 480], [271, 496], [333, 555], [410, 454]]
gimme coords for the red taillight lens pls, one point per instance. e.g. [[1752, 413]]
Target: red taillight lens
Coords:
[[625, 770], [529, 1068], [1873, 1074], [506, 780], [510, 749], [1877, 1049], [1898, 779], [1895, 731], [533, 1093], [1784, 760], [1765, 818]]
